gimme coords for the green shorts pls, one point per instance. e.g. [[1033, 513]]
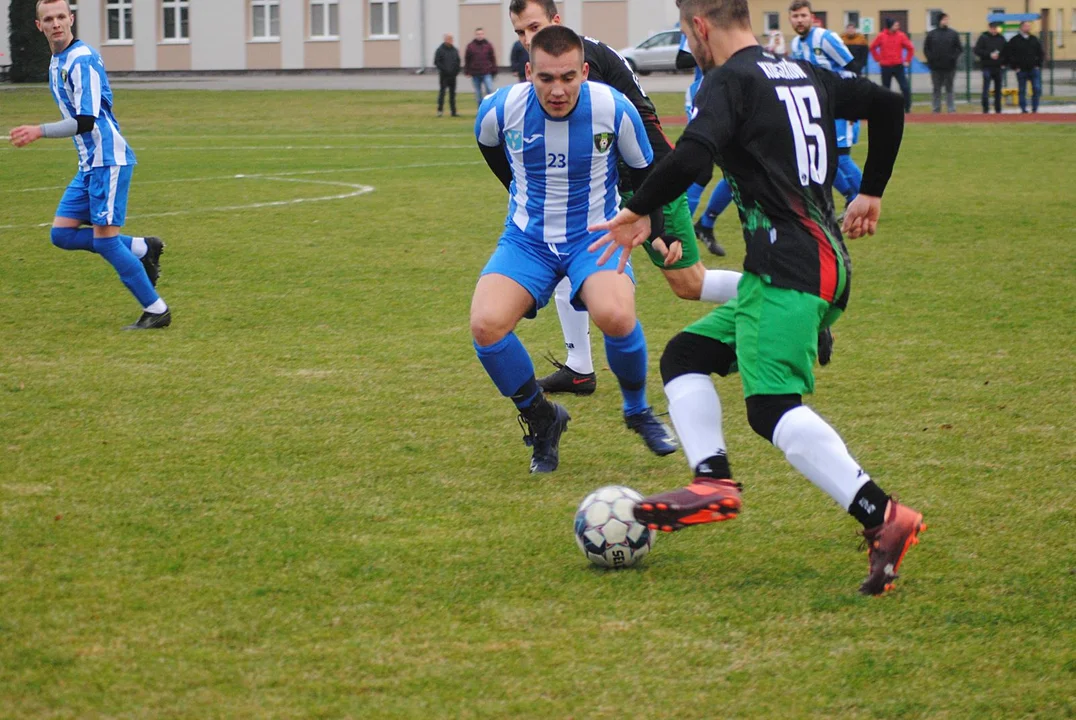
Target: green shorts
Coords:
[[774, 332], [678, 223]]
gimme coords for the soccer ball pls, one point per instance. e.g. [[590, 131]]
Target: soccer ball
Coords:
[[606, 530]]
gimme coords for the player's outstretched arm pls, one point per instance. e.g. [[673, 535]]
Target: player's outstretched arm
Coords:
[[68, 127], [626, 230], [860, 99]]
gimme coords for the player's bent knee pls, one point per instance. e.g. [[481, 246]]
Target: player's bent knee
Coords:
[[64, 237], [765, 411], [615, 323], [487, 329], [688, 353]]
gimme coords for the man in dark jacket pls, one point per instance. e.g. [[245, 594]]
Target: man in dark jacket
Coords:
[[447, 61], [1023, 53], [480, 64], [988, 49], [943, 50], [519, 61]]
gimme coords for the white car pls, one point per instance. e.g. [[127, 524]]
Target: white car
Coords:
[[656, 53]]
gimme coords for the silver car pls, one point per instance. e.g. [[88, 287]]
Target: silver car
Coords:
[[657, 52]]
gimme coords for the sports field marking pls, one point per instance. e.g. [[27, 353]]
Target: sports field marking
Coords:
[[286, 173], [355, 191]]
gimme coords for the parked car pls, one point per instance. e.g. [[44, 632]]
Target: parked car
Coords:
[[656, 53]]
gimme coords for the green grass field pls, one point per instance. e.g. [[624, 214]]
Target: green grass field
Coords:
[[306, 499]]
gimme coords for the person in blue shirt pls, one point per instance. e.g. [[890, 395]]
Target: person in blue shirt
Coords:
[[825, 49], [554, 144], [97, 196]]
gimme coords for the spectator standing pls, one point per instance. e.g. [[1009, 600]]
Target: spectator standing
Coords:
[[447, 61], [480, 64], [775, 43], [1023, 53], [943, 49], [520, 56], [858, 45], [893, 51], [989, 48]]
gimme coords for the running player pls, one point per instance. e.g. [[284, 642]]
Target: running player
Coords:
[[554, 143], [825, 49], [768, 122], [679, 261], [98, 194]]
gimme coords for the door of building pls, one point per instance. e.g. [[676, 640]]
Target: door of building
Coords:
[[900, 16]]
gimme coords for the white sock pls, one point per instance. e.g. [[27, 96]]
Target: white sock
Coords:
[[138, 247], [575, 324], [695, 410], [719, 286], [158, 307], [817, 451]]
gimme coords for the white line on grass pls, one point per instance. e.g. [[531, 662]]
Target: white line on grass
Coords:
[[371, 168], [356, 190], [263, 148]]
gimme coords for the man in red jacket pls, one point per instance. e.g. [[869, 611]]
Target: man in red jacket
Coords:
[[893, 51], [480, 64]]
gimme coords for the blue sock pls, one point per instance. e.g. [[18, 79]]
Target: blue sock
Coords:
[[694, 197], [627, 360], [719, 200], [79, 238], [510, 367], [129, 268], [67, 238], [848, 177]]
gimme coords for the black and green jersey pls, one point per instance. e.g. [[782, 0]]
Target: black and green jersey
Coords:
[[768, 122]]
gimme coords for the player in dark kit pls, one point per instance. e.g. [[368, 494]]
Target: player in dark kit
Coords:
[[768, 123]]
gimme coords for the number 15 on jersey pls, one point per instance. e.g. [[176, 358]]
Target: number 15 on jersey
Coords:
[[803, 110]]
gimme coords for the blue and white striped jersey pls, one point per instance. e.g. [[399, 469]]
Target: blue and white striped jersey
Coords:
[[823, 48], [564, 174], [80, 87]]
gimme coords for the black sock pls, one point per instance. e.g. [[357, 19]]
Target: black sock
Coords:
[[869, 505], [715, 467], [528, 391]]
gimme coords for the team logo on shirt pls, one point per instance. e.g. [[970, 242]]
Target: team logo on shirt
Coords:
[[63, 76], [514, 140], [603, 141], [818, 51]]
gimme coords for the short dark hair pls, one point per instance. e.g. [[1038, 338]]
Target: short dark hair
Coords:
[[943, 16], [556, 40], [799, 5], [37, 6], [516, 7], [722, 13]]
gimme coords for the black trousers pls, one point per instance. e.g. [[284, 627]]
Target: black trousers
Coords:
[[896, 72], [448, 82], [992, 75]]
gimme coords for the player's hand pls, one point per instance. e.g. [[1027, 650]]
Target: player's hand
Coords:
[[25, 134], [671, 248], [627, 230], [861, 216]]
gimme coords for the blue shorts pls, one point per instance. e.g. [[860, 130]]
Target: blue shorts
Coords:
[[847, 132], [538, 267], [98, 196]]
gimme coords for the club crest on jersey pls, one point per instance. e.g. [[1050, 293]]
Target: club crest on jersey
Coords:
[[63, 76], [514, 140], [818, 51], [603, 141]]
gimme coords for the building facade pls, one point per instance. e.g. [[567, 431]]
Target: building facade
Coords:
[[235, 35]]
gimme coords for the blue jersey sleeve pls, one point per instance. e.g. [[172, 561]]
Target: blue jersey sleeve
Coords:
[[631, 140], [489, 125], [836, 50], [85, 82]]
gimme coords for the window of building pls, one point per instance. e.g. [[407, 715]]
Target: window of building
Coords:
[[265, 19], [820, 18], [119, 21], [324, 18], [74, 12], [174, 19], [851, 17], [772, 21], [384, 18], [933, 16]]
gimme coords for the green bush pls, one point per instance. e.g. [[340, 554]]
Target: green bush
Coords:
[[30, 53]]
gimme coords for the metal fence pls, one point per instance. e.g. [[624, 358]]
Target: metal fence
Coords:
[[1058, 78]]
